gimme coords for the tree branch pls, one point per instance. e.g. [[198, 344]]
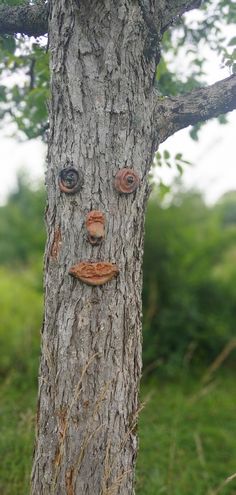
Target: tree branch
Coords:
[[175, 113], [25, 19], [170, 10]]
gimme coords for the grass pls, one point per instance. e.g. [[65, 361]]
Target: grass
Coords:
[[187, 436], [17, 409]]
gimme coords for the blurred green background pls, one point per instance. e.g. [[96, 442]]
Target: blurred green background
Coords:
[[187, 427]]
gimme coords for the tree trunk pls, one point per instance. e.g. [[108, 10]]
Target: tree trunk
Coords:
[[101, 116]]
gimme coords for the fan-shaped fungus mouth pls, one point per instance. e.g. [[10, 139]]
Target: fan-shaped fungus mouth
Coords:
[[94, 273]]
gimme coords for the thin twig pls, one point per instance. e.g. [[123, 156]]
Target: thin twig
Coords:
[[219, 360], [223, 484]]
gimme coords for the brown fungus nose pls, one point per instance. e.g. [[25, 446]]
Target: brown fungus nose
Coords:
[[95, 225], [70, 180], [126, 181]]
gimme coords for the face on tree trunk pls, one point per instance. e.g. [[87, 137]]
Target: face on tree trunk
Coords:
[[96, 273], [101, 112]]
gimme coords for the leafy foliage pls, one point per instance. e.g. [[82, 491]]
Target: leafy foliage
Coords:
[[22, 242], [22, 230], [191, 35], [165, 159], [21, 316], [24, 80], [192, 40], [189, 279]]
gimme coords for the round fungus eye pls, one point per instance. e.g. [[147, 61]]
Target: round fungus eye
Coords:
[[70, 180], [126, 181]]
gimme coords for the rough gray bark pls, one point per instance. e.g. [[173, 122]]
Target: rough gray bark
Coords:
[[101, 120], [26, 19]]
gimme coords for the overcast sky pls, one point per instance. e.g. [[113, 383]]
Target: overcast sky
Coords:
[[213, 169]]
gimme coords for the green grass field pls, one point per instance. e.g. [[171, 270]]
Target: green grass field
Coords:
[[187, 436]]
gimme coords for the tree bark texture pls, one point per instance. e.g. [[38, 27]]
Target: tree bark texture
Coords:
[[101, 120]]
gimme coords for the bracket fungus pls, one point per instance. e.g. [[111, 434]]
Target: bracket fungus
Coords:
[[94, 273], [70, 180], [95, 223], [126, 181]]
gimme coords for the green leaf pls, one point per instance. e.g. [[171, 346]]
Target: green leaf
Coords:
[[178, 156], [232, 42], [163, 189], [166, 154], [9, 43], [186, 161], [180, 169]]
